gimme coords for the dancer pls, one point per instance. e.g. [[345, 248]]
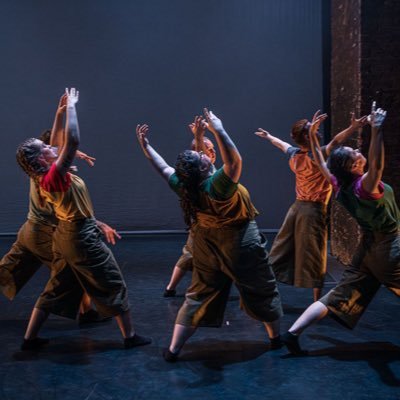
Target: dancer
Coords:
[[299, 252], [185, 261], [371, 202], [81, 262], [33, 246], [227, 245]]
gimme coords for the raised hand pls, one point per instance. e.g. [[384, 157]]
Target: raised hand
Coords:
[[62, 104], [198, 126], [316, 121], [83, 156], [72, 96], [214, 123], [358, 123], [377, 116], [262, 133], [141, 133]]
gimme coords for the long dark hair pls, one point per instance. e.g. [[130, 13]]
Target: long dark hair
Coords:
[[27, 155], [340, 163], [187, 169]]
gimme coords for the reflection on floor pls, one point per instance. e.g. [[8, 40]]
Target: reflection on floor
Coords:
[[232, 362]]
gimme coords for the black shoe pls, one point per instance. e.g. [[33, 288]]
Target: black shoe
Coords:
[[292, 343], [169, 293], [92, 317], [33, 344], [136, 341], [169, 356], [276, 343]]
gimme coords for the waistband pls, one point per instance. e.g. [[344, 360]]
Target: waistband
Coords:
[[314, 204]]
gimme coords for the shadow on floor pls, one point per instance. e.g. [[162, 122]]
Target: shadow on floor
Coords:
[[378, 355], [71, 351]]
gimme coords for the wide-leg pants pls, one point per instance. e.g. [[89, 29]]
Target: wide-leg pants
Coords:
[[376, 262], [299, 253], [222, 256], [82, 262], [32, 249]]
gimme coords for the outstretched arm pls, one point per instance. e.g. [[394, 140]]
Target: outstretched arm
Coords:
[[376, 152], [229, 153], [280, 144], [156, 160], [85, 157], [72, 138], [57, 131], [341, 137], [316, 148]]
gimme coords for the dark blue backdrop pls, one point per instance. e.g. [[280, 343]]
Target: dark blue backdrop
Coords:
[[254, 62]]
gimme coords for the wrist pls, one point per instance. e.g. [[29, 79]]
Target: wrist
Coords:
[[219, 131]]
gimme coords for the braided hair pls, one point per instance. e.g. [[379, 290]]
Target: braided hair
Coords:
[[340, 163], [187, 169], [27, 155]]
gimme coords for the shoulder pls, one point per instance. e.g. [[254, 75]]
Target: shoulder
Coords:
[[292, 151], [361, 193]]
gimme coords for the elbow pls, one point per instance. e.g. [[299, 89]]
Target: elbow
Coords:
[[73, 140], [237, 164], [235, 167], [379, 167]]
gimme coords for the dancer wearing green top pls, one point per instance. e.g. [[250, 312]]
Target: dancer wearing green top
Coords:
[[227, 246], [185, 261], [372, 204]]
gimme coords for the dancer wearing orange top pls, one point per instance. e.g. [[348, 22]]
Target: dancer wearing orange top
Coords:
[[299, 252]]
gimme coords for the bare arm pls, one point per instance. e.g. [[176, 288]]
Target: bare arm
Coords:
[[376, 152], [109, 233], [156, 160], [316, 148], [280, 144], [72, 138], [57, 131], [198, 128], [341, 137], [229, 153], [85, 157]]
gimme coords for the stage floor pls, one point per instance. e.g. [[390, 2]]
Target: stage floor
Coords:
[[232, 362]]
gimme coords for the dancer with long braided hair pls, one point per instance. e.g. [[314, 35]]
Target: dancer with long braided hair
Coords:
[[81, 262], [33, 246], [227, 245], [185, 261]]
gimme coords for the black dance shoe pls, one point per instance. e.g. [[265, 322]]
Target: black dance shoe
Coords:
[[33, 344], [169, 356], [276, 343], [169, 293], [292, 343], [136, 341]]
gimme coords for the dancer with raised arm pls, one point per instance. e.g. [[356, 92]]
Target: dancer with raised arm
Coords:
[[33, 246], [227, 246], [81, 262], [371, 202], [299, 252], [185, 261]]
